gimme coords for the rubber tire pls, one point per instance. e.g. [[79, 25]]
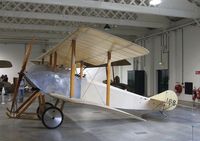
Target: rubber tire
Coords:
[[47, 105], [45, 116]]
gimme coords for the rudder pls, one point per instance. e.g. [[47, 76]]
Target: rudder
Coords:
[[169, 99]]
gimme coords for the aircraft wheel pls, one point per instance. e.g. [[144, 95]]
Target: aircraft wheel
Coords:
[[52, 117], [47, 105]]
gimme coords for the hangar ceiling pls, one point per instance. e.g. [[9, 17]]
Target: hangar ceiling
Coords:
[[51, 20]]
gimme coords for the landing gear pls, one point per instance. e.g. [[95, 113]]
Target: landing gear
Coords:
[[47, 105], [51, 114], [52, 117]]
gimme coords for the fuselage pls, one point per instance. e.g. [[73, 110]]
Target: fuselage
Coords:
[[49, 81]]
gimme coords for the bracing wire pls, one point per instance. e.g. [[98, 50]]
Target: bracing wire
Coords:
[[92, 81], [98, 93]]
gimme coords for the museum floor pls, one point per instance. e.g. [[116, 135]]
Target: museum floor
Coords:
[[87, 123]]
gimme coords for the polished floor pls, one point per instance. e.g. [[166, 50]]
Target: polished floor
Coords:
[[87, 123]]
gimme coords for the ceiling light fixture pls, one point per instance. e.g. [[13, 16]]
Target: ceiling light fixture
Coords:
[[107, 27], [160, 63], [154, 2]]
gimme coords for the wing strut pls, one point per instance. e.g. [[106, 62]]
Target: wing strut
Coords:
[[73, 67], [108, 79]]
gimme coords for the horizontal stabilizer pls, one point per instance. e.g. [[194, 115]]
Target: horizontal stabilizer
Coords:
[[123, 62]]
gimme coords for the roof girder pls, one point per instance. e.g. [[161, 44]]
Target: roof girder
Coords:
[[121, 5]]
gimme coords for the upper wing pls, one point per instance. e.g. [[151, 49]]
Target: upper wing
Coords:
[[92, 46]]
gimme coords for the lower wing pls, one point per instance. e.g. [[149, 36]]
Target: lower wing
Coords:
[[75, 100]]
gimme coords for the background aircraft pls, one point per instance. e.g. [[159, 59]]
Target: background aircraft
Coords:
[[5, 64]]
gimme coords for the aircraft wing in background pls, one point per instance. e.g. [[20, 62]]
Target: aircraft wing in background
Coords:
[[5, 64]]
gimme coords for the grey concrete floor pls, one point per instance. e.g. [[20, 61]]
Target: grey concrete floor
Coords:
[[88, 123]]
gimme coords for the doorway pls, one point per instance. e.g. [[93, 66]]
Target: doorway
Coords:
[[163, 80], [136, 82]]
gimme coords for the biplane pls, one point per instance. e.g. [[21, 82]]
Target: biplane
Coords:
[[54, 74]]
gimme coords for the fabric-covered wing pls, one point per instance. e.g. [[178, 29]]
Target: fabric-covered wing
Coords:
[[92, 46]]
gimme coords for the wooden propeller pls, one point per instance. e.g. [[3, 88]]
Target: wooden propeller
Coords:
[[21, 73]]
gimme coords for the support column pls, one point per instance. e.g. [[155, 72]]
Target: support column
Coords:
[[108, 79], [73, 67]]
